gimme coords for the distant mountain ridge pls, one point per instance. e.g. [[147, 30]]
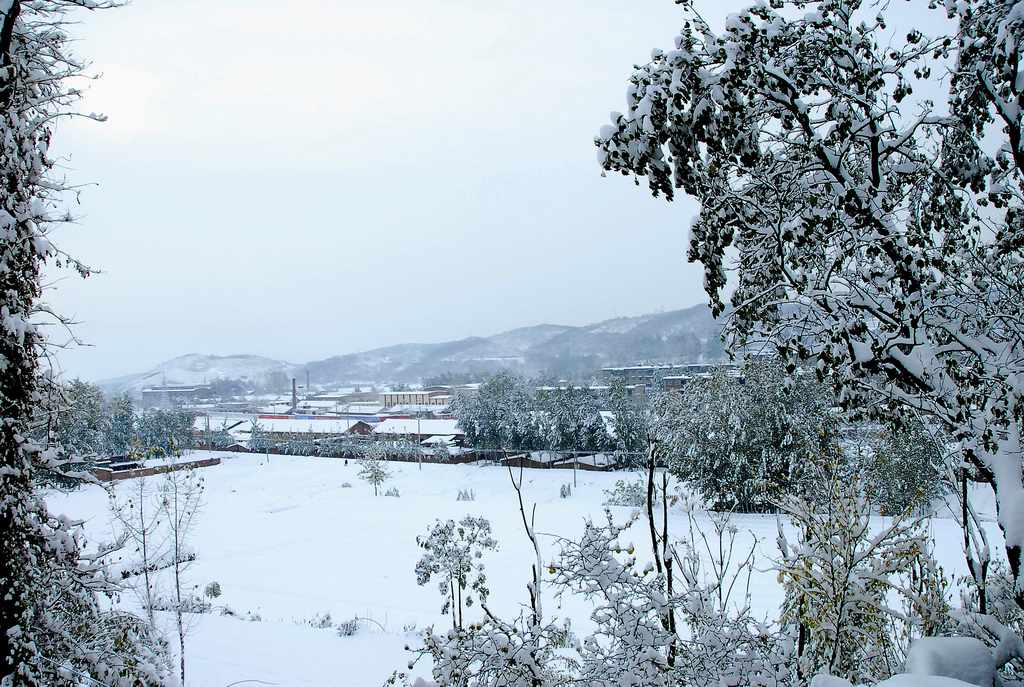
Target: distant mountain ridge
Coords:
[[691, 335]]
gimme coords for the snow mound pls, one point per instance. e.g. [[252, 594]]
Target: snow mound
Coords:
[[906, 680], [961, 658], [901, 680]]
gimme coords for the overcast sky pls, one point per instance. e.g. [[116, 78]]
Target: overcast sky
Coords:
[[304, 179]]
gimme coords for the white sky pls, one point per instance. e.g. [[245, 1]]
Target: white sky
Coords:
[[309, 178]]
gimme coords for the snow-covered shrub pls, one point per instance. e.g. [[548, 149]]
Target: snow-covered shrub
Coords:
[[632, 494], [253, 617], [226, 610], [442, 453], [111, 645], [466, 495], [346, 485], [565, 491], [841, 580], [647, 632], [212, 590], [320, 621], [348, 628], [393, 491], [452, 553], [189, 603]]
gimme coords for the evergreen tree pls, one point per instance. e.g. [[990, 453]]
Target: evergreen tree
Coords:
[[165, 432], [502, 416], [745, 441], [81, 420], [120, 427]]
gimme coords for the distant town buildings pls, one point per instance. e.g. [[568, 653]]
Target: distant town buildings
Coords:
[[670, 376], [432, 397], [173, 395]]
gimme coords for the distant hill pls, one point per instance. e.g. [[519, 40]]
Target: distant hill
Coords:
[[196, 368], [690, 335]]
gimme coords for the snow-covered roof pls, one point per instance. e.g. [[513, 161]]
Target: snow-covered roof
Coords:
[[315, 403], [448, 439], [415, 408], [304, 425], [599, 460], [422, 426], [362, 407]]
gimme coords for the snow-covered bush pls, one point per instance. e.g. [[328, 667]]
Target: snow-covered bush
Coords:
[[565, 491], [212, 590], [321, 621], [393, 491], [348, 628], [466, 495], [442, 453], [346, 485], [632, 494], [452, 554], [841, 579]]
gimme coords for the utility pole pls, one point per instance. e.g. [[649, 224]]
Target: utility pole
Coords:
[[295, 397]]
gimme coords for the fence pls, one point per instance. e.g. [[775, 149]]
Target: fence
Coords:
[[505, 457]]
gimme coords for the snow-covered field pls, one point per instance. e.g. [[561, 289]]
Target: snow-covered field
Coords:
[[286, 541]]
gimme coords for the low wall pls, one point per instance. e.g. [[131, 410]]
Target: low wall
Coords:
[[106, 475]]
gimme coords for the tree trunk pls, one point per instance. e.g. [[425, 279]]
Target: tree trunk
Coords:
[[667, 555], [144, 534]]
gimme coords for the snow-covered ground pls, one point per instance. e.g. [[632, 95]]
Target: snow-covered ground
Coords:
[[287, 542]]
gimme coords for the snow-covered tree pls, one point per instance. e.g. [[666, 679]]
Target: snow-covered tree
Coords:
[[53, 628], [139, 514], [165, 432], [119, 432], [373, 469], [905, 467], [82, 420], [502, 416], [876, 235], [452, 554], [181, 493], [631, 420], [572, 420], [744, 441]]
